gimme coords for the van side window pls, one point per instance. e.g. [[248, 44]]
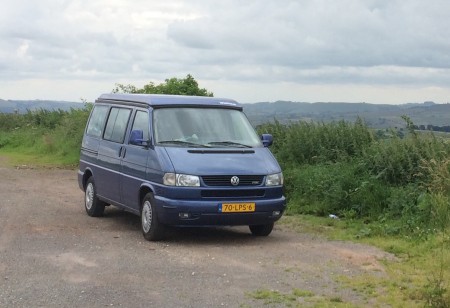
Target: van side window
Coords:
[[141, 122], [117, 124], [97, 121]]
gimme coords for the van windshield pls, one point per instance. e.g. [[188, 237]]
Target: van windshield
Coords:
[[203, 127]]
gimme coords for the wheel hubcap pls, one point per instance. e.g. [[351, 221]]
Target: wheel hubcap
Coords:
[[89, 196], [146, 216]]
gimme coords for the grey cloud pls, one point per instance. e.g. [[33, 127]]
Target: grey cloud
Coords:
[[319, 41], [191, 34], [325, 33]]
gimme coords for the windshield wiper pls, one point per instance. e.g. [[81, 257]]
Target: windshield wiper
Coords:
[[229, 143], [190, 144]]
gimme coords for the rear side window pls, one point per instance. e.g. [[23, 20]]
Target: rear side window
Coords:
[[117, 124], [97, 121]]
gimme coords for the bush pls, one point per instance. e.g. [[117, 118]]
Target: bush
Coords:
[[55, 135], [340, 168], [398, 161], [313, 143], [435, 178], [337, 188]]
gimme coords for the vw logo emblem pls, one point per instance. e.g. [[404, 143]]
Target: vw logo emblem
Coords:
[[234, 181]]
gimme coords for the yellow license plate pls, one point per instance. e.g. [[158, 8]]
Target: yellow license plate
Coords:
[[237, 207]]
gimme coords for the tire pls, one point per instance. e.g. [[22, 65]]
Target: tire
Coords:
[[152, 229], [261, 230], [93, 206]]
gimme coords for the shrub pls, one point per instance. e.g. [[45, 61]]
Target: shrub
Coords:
[[336, 188], [312, 143], [55, 134], [339, 168], [398, 161]]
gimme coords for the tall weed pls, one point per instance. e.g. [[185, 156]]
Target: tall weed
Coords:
[[300, 143], [435, 177], [342, 188], [42, 133], [398, 161], [340, 168]]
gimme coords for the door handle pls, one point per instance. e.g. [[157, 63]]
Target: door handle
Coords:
[[122, 151]]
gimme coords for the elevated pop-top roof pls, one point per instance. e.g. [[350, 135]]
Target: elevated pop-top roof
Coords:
[[160, 100]]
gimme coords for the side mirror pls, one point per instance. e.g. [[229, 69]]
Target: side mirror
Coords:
[[267, 140], [136, 137]]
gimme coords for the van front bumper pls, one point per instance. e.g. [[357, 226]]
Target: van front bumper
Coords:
[[206, 213]]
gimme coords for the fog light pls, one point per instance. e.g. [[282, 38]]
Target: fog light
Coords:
[[184, 215], [276, 213]]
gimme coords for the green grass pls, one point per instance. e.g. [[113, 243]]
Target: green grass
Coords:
[[418, 277], [29, 159], [43, 138], [296, 298]]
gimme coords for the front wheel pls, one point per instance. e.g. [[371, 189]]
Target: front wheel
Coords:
[[261, 230], [93, 206], [152, 229]]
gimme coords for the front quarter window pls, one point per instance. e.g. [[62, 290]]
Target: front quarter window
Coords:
[[141, 123]]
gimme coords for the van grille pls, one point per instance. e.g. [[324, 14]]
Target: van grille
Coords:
[[237, 193], [225, 180]]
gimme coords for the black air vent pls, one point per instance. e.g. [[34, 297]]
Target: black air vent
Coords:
[[225, 180]]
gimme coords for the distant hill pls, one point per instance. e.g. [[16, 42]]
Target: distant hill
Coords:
[[375, 115], [21, 106]]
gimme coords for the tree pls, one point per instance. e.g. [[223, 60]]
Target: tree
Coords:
[[176, 86]]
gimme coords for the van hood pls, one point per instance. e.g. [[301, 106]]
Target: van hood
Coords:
[[223, 161]]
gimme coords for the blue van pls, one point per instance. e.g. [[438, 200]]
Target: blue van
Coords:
[[179, 161]]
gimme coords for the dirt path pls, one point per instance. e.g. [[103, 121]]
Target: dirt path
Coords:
[[53, 254]]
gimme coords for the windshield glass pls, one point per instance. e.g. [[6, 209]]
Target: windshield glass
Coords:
[[203, 127]]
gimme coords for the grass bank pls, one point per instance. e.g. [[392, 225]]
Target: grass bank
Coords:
[[418, 277], [42, 137]]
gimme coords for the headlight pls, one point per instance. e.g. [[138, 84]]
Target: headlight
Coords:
[[174, 179], [187, 180], [274, 179]]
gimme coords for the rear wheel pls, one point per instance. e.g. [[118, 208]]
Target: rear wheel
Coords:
[[261, 230], [152, 229], [93, 206]]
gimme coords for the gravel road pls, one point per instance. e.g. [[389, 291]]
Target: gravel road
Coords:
[[53, 255]]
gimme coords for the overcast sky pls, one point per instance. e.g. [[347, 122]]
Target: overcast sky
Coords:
[[375, 51]]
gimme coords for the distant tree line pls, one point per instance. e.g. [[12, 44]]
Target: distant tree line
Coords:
[[433, 128]]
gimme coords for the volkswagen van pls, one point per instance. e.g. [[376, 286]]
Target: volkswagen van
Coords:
[[179, 161]]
